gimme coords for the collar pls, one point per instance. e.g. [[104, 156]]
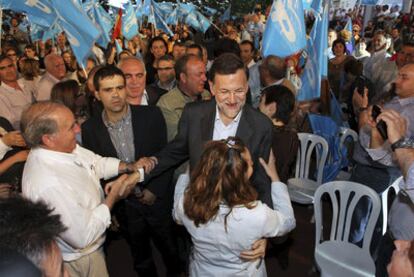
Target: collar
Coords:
[[47, 74], [168, 87], [7, 87], [125, 118], [236, 120], [405, 101], [251, 63]]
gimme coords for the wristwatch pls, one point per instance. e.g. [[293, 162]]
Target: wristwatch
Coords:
[[403, 143]]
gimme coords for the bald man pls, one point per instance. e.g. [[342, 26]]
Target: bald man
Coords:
[[55, 72]]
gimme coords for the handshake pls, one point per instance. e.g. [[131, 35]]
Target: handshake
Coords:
[[121, 187]]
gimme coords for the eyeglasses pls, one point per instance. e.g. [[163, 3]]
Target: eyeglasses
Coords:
[[164, 68]]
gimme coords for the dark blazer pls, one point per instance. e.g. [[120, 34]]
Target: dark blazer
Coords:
[[150, 136], [196, 127]]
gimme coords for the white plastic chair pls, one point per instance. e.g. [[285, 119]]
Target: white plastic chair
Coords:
[[337, 256], [384, 200], [301, 188], [345, 134]]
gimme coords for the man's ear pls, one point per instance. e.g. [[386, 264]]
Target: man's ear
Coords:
[[48, 140], [211, 88]]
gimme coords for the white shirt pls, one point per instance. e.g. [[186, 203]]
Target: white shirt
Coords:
[[251, 63], [44, 87], [13, 102], [217, 252], [221, 131], [69, 183]]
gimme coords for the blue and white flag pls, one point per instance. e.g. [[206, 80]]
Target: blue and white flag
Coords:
[[285, 32], [306, 4], [146, 7], [369, 2], [36, 32], [160, 23], [319, 35], [226, 15], [348, 27], [129, 22], [317, 6], [184, 9], [79, 29], [41, 10], [316, 66], [172, 18], [204, 22], [311, 81], [209, 11], [51, 32], [163, 9], [105, 23]]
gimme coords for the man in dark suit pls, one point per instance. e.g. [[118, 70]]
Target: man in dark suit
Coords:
[[128, 133], [226, 115]]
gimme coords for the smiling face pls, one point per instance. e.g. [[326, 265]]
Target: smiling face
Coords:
[[230, 93]]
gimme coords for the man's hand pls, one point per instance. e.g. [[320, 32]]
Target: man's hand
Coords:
[[14, 138], [258, 251], [147, 197], [120, 188], [396, 124], [148, 163], [360, 101], [270, 167]]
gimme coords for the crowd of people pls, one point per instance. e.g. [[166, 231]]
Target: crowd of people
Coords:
[[188, 141]]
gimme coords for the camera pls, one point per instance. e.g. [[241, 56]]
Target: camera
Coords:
[[381, 126]]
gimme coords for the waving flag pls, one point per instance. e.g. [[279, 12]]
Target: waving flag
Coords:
[[79, 29], [172, 17], [204, 22], [285, 32], [348, 27], [319, 35], [118, 25], [306, 4], [41, 10], [317, 6], [317, 64], [129, 22], [209, 11], [105, 22], [226, 15], [160, 23], [146, 7], [36, 32]]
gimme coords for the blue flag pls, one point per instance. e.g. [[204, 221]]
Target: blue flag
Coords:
[[204, 22], [319, 35], [146, 7], [348, 27], [79, 29], [160, 23], [129, 22], [172, 18], [51, 32], [209, 11], [285, 32], [317, 6], [306, 4], [317, 63], [105, 22], [226, 15], [42, 10], [164, 9], [36, 32], [311, 80], [369, 2]]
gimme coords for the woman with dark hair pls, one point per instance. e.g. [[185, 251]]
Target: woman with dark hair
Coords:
[[278, 103], [336, 74], [157, 47], [68, 94], [220, 210]]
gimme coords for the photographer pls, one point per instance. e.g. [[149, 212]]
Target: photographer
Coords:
[[401, 216], [374, 165]]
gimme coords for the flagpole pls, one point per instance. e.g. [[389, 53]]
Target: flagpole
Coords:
[[215, 26]]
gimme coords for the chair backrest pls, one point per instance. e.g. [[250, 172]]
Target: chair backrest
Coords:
[[347, 133], [395, 186], [308, 144], [344, 196]]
